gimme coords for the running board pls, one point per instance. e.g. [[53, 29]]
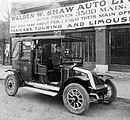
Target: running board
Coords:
[[41, 91], [43, 86]]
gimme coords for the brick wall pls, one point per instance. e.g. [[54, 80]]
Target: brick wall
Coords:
[[101, 46]]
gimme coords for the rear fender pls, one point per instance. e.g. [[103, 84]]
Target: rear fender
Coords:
[[16, 73]]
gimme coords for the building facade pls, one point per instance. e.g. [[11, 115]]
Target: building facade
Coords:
[[104, 24], [4, 43]]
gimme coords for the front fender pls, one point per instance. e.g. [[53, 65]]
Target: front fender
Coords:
[[84, 78], [105, 76], [89, 74], [74, 79]]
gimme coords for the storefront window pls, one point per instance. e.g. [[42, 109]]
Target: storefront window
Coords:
[[120, 46]]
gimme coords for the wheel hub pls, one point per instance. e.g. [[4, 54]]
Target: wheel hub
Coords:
[[10, 84], [109, 93], [75, 99]]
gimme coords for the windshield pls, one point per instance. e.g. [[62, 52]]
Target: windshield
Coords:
[[67, 51], [72, 51]]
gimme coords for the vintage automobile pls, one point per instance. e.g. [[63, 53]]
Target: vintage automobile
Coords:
[[46, 65]]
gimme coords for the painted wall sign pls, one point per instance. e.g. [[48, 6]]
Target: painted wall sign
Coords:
[[88, 14]]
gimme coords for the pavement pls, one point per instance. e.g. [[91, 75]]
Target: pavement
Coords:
[[121, 80]]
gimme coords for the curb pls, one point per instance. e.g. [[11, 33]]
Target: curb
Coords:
[[123, 100]]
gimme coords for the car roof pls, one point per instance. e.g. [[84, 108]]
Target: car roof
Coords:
[[57, 38]]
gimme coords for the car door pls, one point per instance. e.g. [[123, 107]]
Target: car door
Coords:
[[25, 60]]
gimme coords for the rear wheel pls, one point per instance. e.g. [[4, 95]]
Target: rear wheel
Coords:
[[11, 85], [111, 92], [76, 98]]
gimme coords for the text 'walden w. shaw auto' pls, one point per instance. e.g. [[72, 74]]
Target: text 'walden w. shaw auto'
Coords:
[[46, 65]]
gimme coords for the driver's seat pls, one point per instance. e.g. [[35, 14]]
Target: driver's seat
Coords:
[[54, 75]]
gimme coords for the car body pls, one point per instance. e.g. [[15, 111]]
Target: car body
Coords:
[[36, 67]]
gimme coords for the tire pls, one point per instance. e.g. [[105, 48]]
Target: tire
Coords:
[[76, 98], [11, 85], [111, 93]]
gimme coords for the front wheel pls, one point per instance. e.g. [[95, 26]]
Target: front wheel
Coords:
[[76, 98], [11, 85], [111, 92]]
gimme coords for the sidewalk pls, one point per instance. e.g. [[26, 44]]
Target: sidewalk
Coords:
[[121, 80], [3, 74]]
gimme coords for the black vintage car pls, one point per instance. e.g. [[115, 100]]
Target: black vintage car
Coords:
[[46, 65]]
